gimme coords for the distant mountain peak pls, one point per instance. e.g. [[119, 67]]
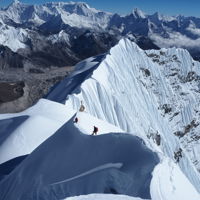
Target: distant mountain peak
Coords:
[[138, 13], [16, 1]]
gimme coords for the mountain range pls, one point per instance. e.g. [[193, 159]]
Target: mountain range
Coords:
[[39, 39], [75, 31]]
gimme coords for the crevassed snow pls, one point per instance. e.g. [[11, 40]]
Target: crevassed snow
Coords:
[[129, 88]]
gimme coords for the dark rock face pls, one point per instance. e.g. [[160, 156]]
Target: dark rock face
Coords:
[[16, 96], [90, 43], [11, 91], [9, 59]]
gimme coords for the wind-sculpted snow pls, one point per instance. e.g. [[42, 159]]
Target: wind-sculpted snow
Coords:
[[71, 163], [71, 84], [153, 94]]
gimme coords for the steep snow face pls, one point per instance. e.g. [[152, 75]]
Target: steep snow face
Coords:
[[70, 162], [141, 92]]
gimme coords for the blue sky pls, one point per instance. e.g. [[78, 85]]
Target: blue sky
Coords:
[[169, 7]]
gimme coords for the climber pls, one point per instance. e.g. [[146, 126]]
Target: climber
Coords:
[[178, 155], [76, 120], [95, 131], [82, 107], [158, 138]]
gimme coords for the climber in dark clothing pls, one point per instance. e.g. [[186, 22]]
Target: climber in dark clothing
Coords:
[[76, 120], [95, 131], [178, 155]]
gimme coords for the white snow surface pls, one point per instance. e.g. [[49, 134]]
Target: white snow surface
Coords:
[[46, 117], [129, 88], [169, 182], [103, 197], [86, 123]]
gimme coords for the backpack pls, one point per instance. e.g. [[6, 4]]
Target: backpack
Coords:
[[96, 129]]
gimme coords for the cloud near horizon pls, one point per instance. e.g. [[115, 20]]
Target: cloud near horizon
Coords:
[[176, 40]]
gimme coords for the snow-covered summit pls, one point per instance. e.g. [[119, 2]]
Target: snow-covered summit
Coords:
[[138, 13]]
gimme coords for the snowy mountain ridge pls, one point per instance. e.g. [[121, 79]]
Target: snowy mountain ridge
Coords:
[[159, 88], [150, 94], [167, 173]]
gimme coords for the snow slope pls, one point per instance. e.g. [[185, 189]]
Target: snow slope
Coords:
[[103, 197], [35, 173], [169, 182], [69, 163], [150, 101], [45, 118]]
